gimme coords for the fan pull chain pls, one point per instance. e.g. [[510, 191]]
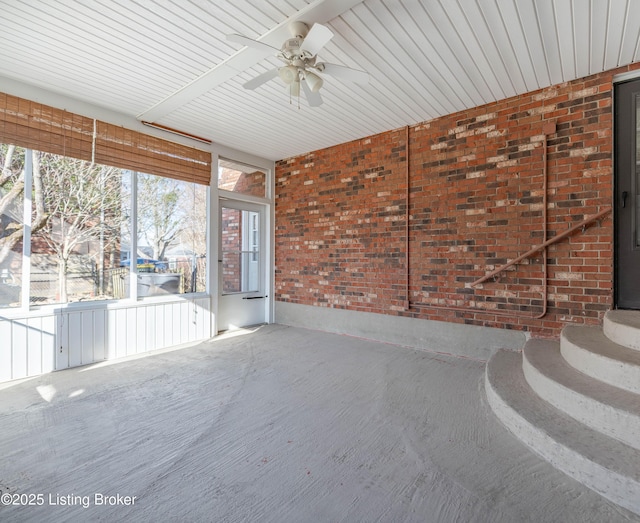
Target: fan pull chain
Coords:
[[291, 95]]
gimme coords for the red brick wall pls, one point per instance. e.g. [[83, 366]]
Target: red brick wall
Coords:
[[476, 202]]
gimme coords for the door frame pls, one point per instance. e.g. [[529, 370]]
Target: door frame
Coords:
[[260, 302], [618, 164], [216, 197]]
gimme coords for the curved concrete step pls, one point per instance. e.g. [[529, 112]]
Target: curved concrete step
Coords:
[[591, 352], [623, 328], [607, 409], [603, 464]]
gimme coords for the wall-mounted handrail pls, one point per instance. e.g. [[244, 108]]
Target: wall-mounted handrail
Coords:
[[550, 241]]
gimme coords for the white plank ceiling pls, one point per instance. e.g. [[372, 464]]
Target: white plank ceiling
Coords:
[[169, 61]]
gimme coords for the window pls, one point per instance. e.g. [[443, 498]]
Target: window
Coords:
[[240, 239], [243, 179], [172, 233], [75, 254], [80, 246]]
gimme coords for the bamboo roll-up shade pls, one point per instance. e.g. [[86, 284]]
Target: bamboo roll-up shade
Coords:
[[137, 151], [36, 126]]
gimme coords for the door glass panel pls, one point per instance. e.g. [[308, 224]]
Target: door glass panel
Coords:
[[240, 178], [240, 251]]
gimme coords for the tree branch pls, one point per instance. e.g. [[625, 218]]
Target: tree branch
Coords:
[[6, 168], [9, 198]]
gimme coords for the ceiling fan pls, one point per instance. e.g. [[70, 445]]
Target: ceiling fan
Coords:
[[299, 53]]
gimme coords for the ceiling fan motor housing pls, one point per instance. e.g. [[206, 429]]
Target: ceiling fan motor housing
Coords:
[[298, 29], [291, 47]]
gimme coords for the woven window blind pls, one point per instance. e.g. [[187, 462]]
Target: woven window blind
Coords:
[[128, 149], [37, 126]]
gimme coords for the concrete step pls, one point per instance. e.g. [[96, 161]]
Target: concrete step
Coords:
[[623, 328], [612, 411], [587, 349], [603, 464]]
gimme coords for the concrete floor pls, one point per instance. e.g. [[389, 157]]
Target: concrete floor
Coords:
[[277, 425]]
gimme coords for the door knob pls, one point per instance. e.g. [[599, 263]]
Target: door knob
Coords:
[[624, 198]]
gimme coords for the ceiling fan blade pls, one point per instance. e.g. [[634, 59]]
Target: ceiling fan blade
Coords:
[[316, 39], [261, 79], [243, 40], [314, 99], [343, 73]]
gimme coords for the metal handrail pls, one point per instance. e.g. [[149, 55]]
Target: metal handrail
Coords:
[[550, 241]]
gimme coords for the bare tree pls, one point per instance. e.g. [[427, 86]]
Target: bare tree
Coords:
[[82, 201], [12, 197], [160, 212]]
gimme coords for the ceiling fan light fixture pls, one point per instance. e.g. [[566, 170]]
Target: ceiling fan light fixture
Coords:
[[313, 81], [288, 74]]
